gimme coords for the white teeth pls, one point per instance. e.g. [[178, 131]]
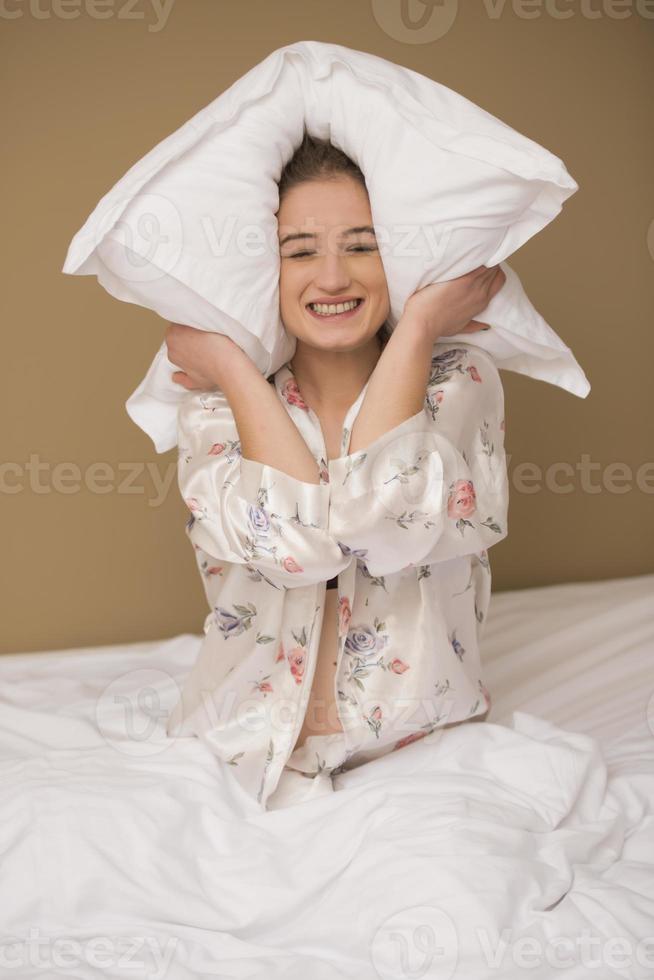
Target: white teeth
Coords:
[[332, 309]]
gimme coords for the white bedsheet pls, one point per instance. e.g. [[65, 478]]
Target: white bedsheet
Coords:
[[509, 848]]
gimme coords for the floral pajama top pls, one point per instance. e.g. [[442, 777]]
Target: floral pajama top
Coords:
[[405, 524]]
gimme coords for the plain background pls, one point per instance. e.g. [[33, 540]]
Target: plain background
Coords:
[[86, 96]]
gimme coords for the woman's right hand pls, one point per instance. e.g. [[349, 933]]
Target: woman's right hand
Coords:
[[198, 354], [446, 308]]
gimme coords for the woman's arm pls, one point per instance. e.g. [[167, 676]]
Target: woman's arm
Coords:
[[435, 486], [266, 431], [244, 470], [397, 386]]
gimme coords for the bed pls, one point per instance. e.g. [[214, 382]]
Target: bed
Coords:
[[521, 846]]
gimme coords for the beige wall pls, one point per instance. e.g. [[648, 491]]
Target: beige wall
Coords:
[[86, 98]]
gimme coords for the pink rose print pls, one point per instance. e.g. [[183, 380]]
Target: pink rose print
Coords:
[[461, 501], [296, 661], [280, 653], [398, 666], [344, 615], [433, 401], [213, 570], [192, 504], [413, 737], [374, 719], [473, 372], [264, 686], [293, 396], [217, 449], [502, 426], [289, 564]]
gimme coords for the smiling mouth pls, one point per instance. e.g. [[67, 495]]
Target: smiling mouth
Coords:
[[335, 317]]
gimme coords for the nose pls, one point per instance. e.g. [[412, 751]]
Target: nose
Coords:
[[333, 275]]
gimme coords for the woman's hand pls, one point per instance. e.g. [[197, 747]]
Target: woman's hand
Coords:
[[446, 308], [198, 354]]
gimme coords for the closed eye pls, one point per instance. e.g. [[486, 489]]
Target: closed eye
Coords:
[[354, 248]]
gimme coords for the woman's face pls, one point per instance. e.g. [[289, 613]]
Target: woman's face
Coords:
[[330, 261]]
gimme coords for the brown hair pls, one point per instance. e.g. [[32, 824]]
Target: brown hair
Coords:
[[318, 159]]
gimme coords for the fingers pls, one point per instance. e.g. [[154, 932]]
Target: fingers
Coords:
[[191, 383]]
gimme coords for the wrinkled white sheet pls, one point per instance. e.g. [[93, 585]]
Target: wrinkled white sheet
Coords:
[[509, 848]]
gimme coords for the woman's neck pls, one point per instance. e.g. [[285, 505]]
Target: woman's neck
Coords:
[[333, 379]]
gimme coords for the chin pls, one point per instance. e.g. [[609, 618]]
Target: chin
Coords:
[[341, 343]]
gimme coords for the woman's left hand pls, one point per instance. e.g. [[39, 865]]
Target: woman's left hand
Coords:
[[198, 354], [446, 308]]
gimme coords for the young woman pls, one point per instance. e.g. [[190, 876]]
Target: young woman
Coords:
[[388, 565]]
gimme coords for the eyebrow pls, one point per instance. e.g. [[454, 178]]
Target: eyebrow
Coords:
[[350, 231]]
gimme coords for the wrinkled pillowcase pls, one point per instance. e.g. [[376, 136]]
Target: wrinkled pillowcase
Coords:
[[190, 231]]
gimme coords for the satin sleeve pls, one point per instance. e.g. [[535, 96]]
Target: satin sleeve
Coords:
[[434, 487], [248, 512]]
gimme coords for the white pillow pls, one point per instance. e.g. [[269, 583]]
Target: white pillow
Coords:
[[190, 231]]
